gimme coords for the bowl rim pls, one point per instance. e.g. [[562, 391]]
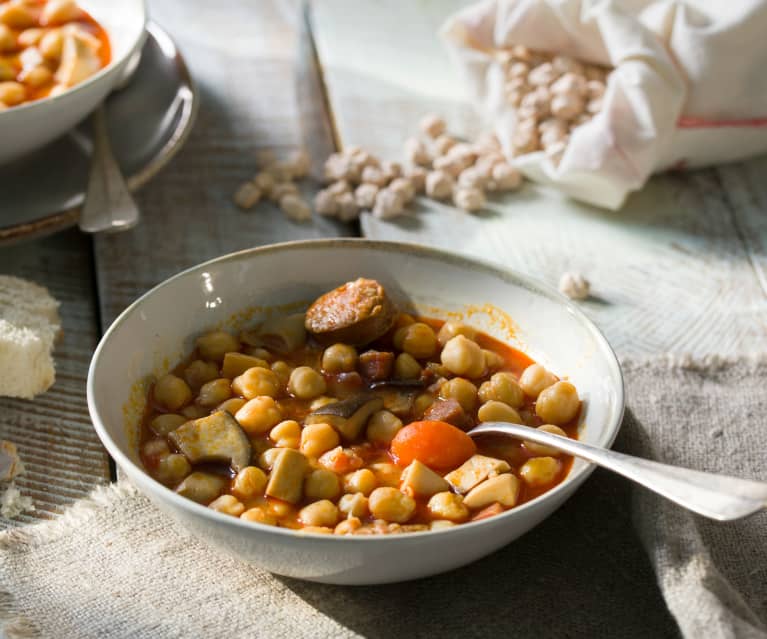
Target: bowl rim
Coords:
[[101, 73], [149, 484]]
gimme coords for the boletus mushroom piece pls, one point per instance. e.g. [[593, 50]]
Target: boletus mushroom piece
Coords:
[[215, 438], [355, 313], [348, 416]]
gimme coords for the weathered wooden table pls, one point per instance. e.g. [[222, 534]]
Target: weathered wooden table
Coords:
[[682, 269]]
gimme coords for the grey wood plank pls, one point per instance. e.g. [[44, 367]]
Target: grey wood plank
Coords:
[[245, 58], [680, 269], [63, 457]]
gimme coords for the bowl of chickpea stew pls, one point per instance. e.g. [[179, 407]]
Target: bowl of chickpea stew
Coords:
[[313, 420], [58, 60]]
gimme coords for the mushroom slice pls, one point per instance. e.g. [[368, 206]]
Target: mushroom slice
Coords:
[[79, 59], [280, 334], [475, 470], [202, 487], [215, 438], [421, 481], [286, 480], [348, 416]]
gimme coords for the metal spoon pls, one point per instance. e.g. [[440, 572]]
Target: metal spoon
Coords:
[[718, 497]]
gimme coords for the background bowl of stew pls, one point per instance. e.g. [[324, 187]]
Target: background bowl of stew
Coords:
[[31, 125], [159, 329]]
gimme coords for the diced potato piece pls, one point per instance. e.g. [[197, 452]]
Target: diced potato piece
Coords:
[[202, 487], [419, 480], [503, 489], [387, 474], [474, 470], [287, 477], [236, 364], [215, 438], [282, 334]]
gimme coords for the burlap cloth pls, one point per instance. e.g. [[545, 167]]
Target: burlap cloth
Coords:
[[613, 562]]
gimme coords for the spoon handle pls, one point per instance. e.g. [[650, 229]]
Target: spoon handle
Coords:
[[108, 203], [719, 497]]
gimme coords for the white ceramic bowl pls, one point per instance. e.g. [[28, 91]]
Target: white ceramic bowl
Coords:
[[33, 124], [155, 331]]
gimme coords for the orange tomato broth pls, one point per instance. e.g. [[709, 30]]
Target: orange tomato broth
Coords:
[[501, 447]]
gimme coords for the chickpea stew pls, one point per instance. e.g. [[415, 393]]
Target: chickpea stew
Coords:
[[350, 419], [47, 47]]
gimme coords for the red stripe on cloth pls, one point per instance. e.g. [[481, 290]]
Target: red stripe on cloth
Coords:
[[687, 122]]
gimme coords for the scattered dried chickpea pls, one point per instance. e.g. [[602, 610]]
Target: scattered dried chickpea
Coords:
[[575, 286], [432, 125], [247, 195], [295, 207], [439, 184], [469, 199]]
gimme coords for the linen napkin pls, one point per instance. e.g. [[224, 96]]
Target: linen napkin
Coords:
[[115, 566]]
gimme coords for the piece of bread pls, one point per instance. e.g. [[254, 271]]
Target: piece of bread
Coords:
[[29, 324]]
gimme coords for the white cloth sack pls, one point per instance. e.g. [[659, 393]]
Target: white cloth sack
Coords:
[[689, 87]]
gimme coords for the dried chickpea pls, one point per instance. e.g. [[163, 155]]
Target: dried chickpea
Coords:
[[360, 481], [389, 204], [286, 434], [502, 387], [442, 144], [534, 379], [256, 382], [249, 483], [540, 471], [365, 195], [432, 125], [462, 356], [259, 516], [558, 404], [391, 170], [391, 504], [461, 390], [325, 203], [505, 177], [495, 411], [567, 106], [383, 426], [214, 392], [227, 504], [232, 405], [319, 513], [439, 184], [448, 506], [355, 505], [247, 195], [416, 152], [200, 372], [163, 424], [214, 345], [306, 383], [469, 199], [339, 358], [406, 367], [404, 187], [295, 207], [258, 415], [541, 449], [322, 484], [416, 339], [317, 439], [452, 328], [171, 392]]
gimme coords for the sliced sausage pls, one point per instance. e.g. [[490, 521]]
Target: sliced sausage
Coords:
[[355, 313], [450, 411], [376, 366]]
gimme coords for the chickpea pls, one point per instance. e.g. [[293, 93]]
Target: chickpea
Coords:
[[461, 356], [540, 471], [51, 44], [387, 474], [214, 345], [320, 513], [448, 506], [17, 15], [347, 526], [360, 481], [12, 93], [249, 483], [416, 339], [322, 484], [535, 378], [282, 370], [214, 392], [7, 38], [279, 508], [171, 392], [339, 358], [461, 390], [383, 426], [199, 373], [286, 434], [495, 411], [155, 448], [259, 516], [406, 367], [541, 449], [193, 411], [421, 403], [492, 359], [268, 457], [36, 76], [391, 504], [317, 439], [171, 469], [60, 11], [256, 382], [231, 406], [306, 383], [228, 505], [558, 404], [355, 505], [502, 387], [258, 415], [163, 424], [7, 70]]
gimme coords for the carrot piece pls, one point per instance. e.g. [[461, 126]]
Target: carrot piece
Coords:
[[489, 511], [436, 444]]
